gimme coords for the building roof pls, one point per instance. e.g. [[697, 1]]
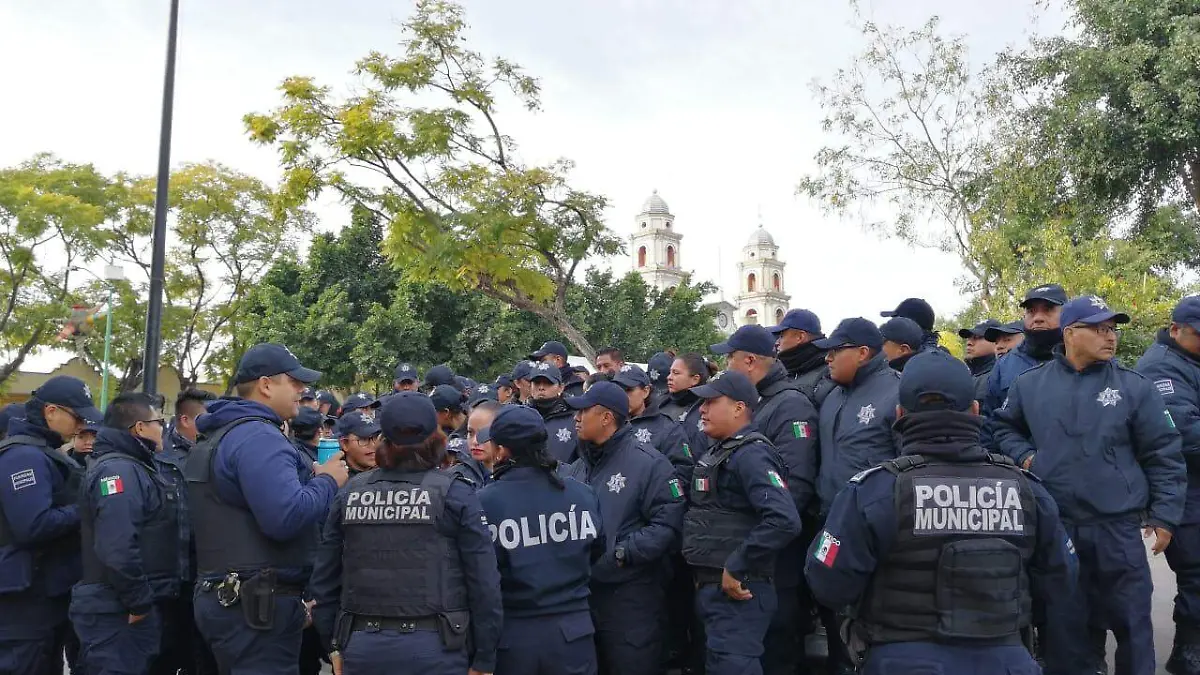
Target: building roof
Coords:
[[655, 205], [761, 237]]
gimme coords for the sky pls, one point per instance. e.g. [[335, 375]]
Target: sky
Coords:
[[707, 101]]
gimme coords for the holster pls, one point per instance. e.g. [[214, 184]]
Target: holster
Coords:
[[342, 629], [453, 627], [258, 600], [853, 639]]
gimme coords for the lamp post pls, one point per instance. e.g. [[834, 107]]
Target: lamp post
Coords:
[[112, 274]]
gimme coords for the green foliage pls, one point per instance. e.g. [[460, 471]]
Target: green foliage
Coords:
[[462, 211]]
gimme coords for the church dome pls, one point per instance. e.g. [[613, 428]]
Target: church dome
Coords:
[[761, 238], [655, 204]]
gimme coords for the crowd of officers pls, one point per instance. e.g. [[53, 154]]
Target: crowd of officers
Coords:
[[923, 514]]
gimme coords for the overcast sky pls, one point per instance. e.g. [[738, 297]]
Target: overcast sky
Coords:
[[707, 101]]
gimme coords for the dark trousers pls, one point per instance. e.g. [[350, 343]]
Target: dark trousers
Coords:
[[312, 652], [558, 644], [926, 658], [1183, 555], [110, 645], [30, 657], [684, 631], [735, 629], [387, 652], [240, 650], [182, 647], [629, 621], [783, 648]]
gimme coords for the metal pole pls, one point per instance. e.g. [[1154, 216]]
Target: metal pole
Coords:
[[107, 345], [158, 260]]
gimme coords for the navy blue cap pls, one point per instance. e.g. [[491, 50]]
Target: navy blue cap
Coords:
[[903, 331], [515, 427], [465, 383], [357, 423], [1187, 311], [481, 393], [269, 359], [856, 332], [1011, 328], [309, 394], [916, 309], [1090, 310], [10, 412], [503, 381], [658, 367], [359, 400], [752, 338], [604, 394], [545, 371], [731, 384], [1051, 293], [522, 370], [447, 397], [69, 392], [328, 397], [408, 418], [798, 319], [548, 348], [90, 428], [407, 372], [631, 376], [306, 422], [438, 376], [936, 372], [979, 330]]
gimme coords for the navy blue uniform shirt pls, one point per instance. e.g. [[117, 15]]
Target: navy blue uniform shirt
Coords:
[[560, 431], [1176, 376], [664, 434]]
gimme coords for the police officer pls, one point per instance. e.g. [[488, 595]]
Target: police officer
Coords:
[[741, 518], [1173, 364], [80, 447], [450, 403], [308, 399], [1105, 447], [544, 573], [521, 373], [475, 462], [642, 505], [920, 313], [506, 389], [406, 573], [687, 371], [1007, 337], [131, 542], [360, 401], [437, 376], [39, 525], [254, 517], [406, 378], [189, 405], [327, 403], [555, 354], [8, 412], [479, 394], [609, 360], [306, 432], [546, 396], [902, 339], [358, 437], [795, 339], [980, 353], [786, 417], [658, 368], [937, 550], [651, 426]]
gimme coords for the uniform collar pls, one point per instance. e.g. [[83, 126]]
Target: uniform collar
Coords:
[[26, 428], [873, 365], [1164, 338], [119, 441]]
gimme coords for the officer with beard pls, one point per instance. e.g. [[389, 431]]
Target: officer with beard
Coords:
[[795, 346], [546, 393], [980, 353], [937, 550]]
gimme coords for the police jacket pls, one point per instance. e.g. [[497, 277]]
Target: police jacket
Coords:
[[641, 503], [170, 468], [1025, 356], [664, 434], [546, 540], [684, 408], [856, 427], [174, 442], [402, 543], [981, 368], [572, 382], [252, 502], [806, 365], [1105, 444], [1176, 375], [741, 514], [39, 527], [940, 544], [560, 429], [129, 528]]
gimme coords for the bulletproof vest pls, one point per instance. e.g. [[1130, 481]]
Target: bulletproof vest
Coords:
[[67, 492], [394, 561], [712, 530], [957, 569], [228, 537], [158, 537]]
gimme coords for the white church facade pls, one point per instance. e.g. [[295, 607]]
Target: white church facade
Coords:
[[657, 255]]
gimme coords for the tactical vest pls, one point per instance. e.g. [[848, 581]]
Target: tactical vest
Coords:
[[711, 530], [67, 492], [394, 561], [158, 537], [957, 569], [228, 537]]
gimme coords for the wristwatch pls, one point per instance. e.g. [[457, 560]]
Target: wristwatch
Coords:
[[619, 554]]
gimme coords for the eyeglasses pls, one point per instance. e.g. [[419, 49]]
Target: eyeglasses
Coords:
[[161, 422], [74, 415], [1099, 329], [364, 441]]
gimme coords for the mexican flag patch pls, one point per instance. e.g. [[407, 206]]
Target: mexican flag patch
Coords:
[[676, 488], [827, 550], [1170, 420], [801, 430], [687, 452], [111, 485], [700, 485], [775, 479]]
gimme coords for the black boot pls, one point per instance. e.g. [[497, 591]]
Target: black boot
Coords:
[[1185, 654]]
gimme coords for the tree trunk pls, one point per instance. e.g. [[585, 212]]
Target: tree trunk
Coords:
[[557, 319], [11, 367]]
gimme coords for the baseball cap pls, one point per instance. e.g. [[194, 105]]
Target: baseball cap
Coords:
[[751, 338], [798, 319], [552, 347], [359, 400], [936, 372], [856, 332], [902, 331], [515, 427], [522, 370], [438, 376], [481, 393], [731, 384], [269, 359], [1089, 310], [446, 397], [604, 394], [916, 309], [355, 422], [406, 372], [1011, 328], [309, 394], [1187, 312], [306, 422], [979, 330], [658, 367], [503, 381], [1051, 293], [10, 412], [631, 376], [545, 371], [69, 392], [408, 418]]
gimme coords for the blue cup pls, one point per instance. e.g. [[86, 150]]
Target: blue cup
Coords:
[[326, 448]]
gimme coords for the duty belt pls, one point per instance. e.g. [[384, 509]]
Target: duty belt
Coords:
[[400, 625], [706, 575]]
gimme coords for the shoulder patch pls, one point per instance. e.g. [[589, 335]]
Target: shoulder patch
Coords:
[[23, 479], [1164, 387], [858, 477]]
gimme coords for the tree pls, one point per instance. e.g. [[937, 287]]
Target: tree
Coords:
[[461, 209], [51, 218]]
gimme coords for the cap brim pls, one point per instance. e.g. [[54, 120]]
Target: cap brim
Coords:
[[889, 313], [1053, 301], [483, 435], [579, 402], [967, 333], [830, 343], [1115, 317], [538, 356], [721, 348], [305, 375], [706, 391], [776, 330], [90, 414]]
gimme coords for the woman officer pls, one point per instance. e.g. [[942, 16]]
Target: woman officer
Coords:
[[406, 569], [547, 533]]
